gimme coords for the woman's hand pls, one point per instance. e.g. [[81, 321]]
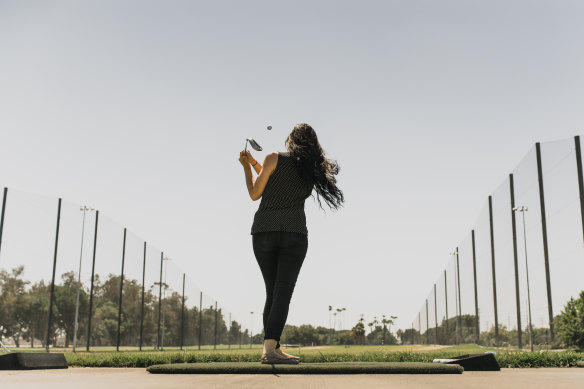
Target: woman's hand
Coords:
[[243, 159], [251, 159]]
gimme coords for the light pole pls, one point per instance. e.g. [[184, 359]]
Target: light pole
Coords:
[[524, 209], [84, 209]]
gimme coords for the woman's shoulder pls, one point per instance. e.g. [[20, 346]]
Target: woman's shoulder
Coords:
[[276, 155], [270, 161], [273, 156]]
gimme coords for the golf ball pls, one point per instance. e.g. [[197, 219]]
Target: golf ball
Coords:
[[269, 127]]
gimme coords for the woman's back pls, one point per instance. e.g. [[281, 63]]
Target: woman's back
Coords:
[[282, 205]]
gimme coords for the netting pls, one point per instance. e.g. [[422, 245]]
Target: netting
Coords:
[[542, 200], [111, 289]]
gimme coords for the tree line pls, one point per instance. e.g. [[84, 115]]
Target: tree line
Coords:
[[24, 315], [569, 331], [24, 308], [24, 311]]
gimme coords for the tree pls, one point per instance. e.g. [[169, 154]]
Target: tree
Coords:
[[36, 313], [570, 322], [447, 330], [358, 332], [387, 322], [408, 335], [344, 337], [489, 337], [65, 298], [24, 313], [234, 329], [13, 302], [376, 336]]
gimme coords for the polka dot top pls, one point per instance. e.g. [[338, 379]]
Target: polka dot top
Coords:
[[282, 205]]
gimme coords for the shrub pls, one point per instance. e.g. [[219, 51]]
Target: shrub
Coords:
[[570, 322]]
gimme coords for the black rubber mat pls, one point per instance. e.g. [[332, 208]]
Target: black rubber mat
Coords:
[[32, 361]]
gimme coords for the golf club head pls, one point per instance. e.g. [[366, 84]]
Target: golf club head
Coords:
[[255, 145]]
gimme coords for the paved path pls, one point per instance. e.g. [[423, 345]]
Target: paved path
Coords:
[[110, 378]]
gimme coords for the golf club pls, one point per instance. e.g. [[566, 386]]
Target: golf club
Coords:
[[253, 144]]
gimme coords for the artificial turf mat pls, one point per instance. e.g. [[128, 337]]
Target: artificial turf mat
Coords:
[[306, 368]]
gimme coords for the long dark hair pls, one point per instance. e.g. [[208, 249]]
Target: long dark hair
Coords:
[[314, 166]]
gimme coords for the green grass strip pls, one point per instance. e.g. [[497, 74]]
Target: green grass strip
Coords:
[[145, 359], [306, 368]]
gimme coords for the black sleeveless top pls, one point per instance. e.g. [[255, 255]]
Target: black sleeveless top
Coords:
[[282, 205]]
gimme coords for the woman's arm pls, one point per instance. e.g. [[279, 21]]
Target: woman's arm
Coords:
[[256, 187], [254, 164]]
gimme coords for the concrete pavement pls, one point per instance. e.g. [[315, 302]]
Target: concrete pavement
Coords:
[[110, 378]]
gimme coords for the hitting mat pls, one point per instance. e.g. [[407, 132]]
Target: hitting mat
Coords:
[[32, 361], [307, 368]]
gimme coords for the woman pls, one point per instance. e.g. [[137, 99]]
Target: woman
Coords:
[[279, 234]]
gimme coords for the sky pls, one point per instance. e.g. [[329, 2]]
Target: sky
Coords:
[[140, 109]]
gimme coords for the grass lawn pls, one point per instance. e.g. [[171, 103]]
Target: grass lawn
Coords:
[[257, 348], [130, 357]]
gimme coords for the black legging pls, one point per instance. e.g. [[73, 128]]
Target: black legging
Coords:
[[280, 255]]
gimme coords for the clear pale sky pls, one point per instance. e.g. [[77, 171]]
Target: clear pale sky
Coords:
[[140, 109]]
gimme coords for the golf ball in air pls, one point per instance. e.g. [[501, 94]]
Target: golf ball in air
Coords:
[[269, 127]]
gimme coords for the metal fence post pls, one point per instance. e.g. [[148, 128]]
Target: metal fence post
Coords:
[[420, 327], [545, 240], [458, 293], [52, 292], [215, 337], [435, 315], [476, 295], [159, 301], [142, 303], [427, 325], [578, 168], [200, 319], [92, 279], [515, 263], [2, 215], [182, 315], [447, 338], [493, 269], [121, 291]]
